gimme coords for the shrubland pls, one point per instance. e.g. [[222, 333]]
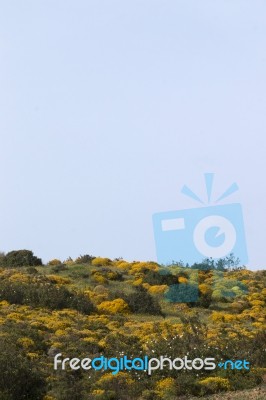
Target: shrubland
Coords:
[[95, 306]]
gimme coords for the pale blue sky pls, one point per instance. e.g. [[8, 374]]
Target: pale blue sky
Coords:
[[109, 107]]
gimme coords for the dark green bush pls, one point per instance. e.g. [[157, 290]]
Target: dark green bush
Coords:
[[20, 258], [19, 376], [162, 277], [44, 295], [84, 259], [31, 271], [140, 301], [58, 268]]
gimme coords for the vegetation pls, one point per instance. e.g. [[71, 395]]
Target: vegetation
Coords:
[[115, 308], [20, 258]]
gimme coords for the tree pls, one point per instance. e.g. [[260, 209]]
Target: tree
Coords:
[[227, 263]]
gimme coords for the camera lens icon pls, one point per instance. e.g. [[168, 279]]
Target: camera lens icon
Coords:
[[214, 236], [213, 231]]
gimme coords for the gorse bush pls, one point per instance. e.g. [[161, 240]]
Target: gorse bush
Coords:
[[114, 307], [107, 274], [213, 384], [55, 261], [101, 261]]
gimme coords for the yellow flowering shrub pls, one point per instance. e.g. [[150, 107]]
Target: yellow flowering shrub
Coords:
[[4, 303], [146, 285], [15, 316], [157, 289], [114, 307], [18, 277], [204, 289], [98, 393], [111, 275], [101, 261], [55, 261], [25, 342], [60, 332], [214, 385], [257, 303], [107, 381], [59, 279], [138, 282], [182, 279], [33, 355], [123, 264], [99, 278], [166, 388], [143, 266]]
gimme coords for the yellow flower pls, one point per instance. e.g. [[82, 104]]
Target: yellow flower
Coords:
[[25, 342], [114, 307]]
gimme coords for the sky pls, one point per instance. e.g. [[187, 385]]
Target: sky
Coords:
[[107, 108]]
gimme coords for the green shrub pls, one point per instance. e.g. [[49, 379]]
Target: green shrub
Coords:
[[20, 258], [140, 301], [19, 376], [32, 271], [2, 256], [160, 278], [59, 268], [85, 259], [44, 294], [241, 380]]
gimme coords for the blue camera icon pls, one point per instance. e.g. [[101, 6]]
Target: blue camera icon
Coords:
[[205, 232]]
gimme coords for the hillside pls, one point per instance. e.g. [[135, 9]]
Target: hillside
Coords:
[[93, 307]]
